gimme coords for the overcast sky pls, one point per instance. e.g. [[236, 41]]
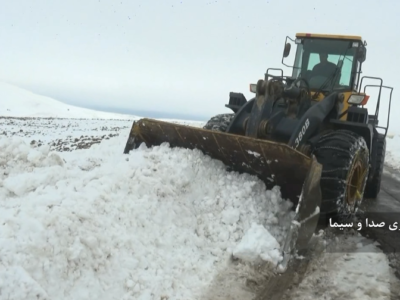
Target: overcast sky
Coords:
[[175, 56]]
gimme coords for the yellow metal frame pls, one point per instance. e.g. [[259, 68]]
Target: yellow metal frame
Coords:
[[346, 105], [329, 36]]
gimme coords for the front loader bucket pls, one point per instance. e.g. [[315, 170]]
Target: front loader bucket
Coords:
[[274, 163]]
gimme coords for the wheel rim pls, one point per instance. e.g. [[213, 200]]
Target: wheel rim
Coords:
[[355, 183]]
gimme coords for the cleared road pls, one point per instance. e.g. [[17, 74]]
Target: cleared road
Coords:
[[386, 208]]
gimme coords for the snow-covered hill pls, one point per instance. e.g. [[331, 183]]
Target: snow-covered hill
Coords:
[[18, 102]]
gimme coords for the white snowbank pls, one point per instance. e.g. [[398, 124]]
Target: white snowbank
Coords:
[[258, 245], [96, 224], [392, 158], [18, 102]]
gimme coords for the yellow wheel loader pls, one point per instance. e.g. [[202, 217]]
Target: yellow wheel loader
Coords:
[[309, 133]]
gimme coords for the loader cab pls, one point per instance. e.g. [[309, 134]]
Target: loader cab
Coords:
[[328, 62]]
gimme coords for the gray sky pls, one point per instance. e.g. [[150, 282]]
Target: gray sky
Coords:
[[174, 56]]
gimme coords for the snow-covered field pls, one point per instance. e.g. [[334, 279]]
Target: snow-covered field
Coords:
[[81, 220]]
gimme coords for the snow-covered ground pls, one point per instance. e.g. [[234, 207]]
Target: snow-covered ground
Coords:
[[392, 158], [81, 220], [160, 222]]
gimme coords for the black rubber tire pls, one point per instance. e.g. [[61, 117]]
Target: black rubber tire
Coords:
[[344, 157], [219, 122], [374, 185]]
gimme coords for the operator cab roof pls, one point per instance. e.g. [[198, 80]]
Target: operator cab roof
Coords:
[[329, 36]]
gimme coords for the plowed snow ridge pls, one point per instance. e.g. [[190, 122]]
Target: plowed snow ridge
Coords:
[[158, 222]]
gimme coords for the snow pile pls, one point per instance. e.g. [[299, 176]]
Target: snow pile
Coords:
[[258, 245], [17, 102], [155, 224], [16, 283], [392, 158]]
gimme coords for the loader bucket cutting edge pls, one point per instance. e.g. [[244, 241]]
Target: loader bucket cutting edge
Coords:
[[307, 215], [273, 163]]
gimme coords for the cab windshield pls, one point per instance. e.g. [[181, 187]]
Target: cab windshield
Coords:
[[326, 64]]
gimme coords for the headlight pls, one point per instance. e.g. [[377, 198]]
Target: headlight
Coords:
[[358, 99]]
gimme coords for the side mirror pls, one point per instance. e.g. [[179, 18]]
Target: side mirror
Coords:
[[362, 54], [286, 51]]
